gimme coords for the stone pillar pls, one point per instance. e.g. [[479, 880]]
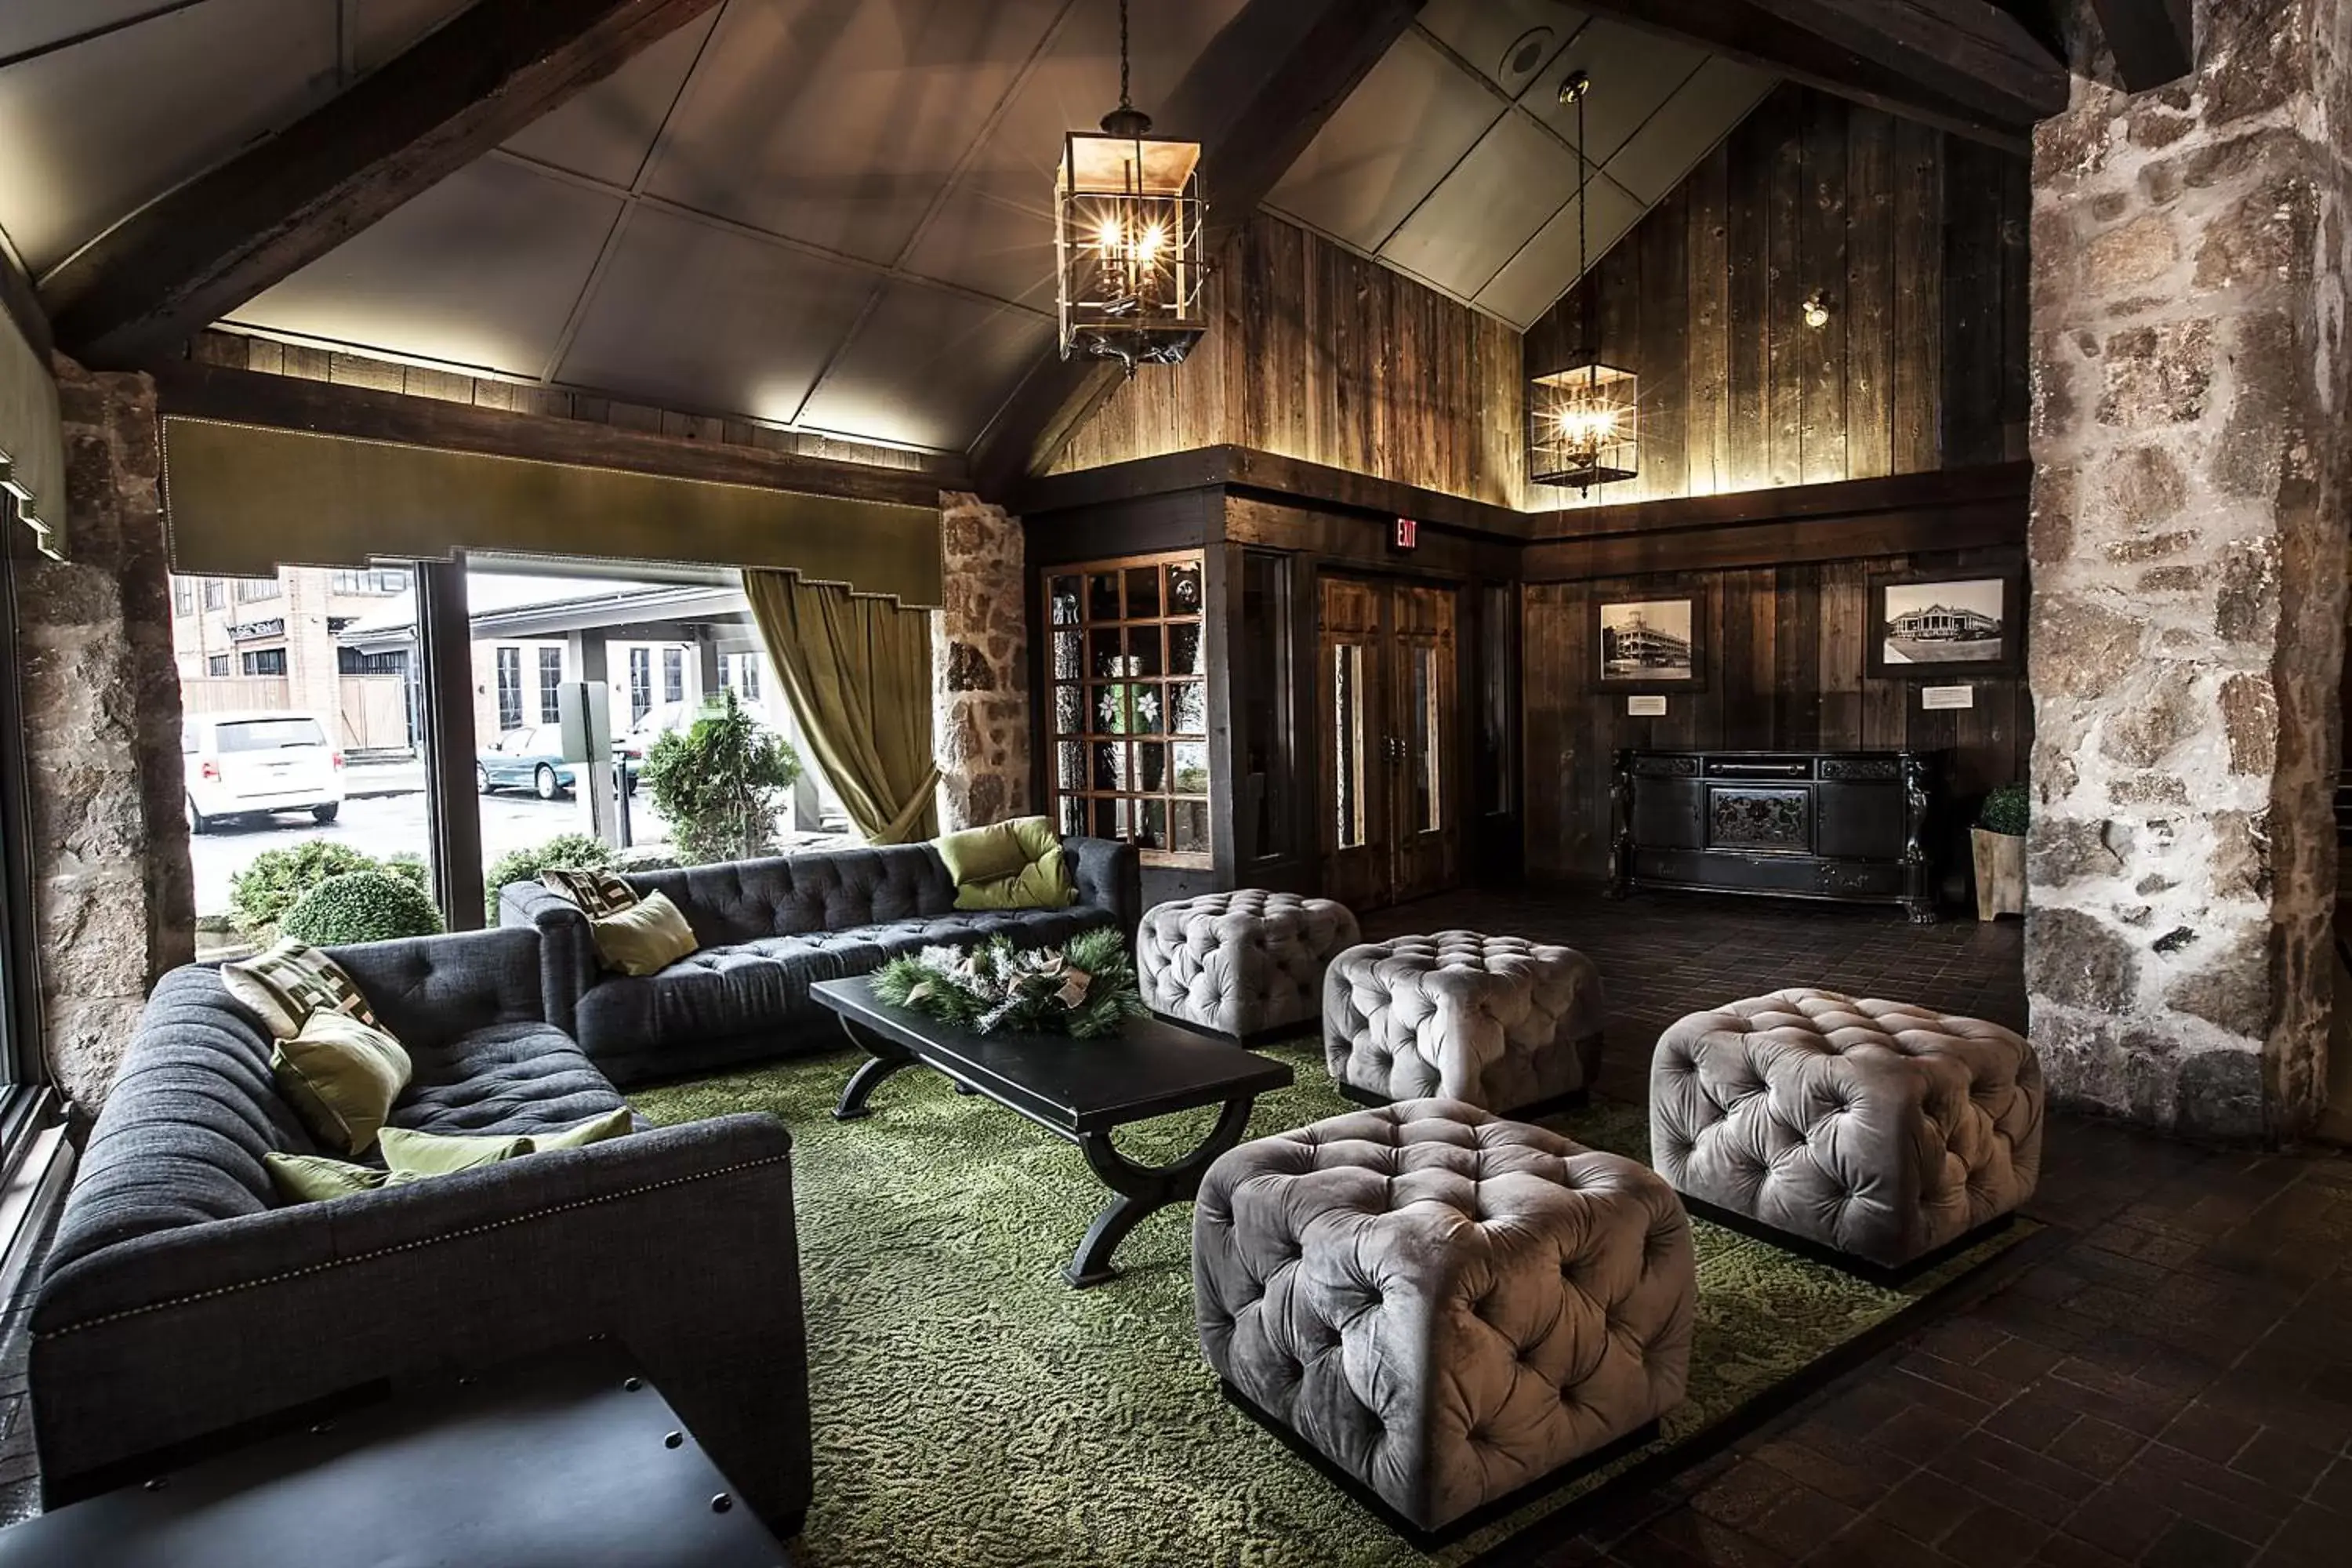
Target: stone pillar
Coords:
[[115, 900], [2189, 559], [980, 667]]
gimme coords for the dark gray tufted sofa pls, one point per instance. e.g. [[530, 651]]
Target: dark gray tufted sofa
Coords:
[[1878, 1129], [180, 1300], [1445, 1305], [770, 929], [1243, 963]]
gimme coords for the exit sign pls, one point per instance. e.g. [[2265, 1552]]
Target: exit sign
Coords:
[[1408, 533]]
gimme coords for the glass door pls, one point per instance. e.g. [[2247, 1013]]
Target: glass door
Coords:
[[1356, 744], [1391, 740]]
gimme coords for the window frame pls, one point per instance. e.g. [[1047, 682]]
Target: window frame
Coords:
[[550, 685], [1130, 811], [254, 661], [507, 678]]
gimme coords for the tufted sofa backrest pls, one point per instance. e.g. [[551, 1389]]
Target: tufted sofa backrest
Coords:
[[194, 1108], [745, 901]]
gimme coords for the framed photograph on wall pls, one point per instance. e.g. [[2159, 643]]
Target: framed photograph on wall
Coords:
[[1649, 645], [1945, 626]]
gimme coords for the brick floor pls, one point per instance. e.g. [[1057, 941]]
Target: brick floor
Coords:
[[2169, 1381]]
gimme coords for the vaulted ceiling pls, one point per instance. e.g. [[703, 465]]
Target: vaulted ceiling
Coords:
[[829, 213]]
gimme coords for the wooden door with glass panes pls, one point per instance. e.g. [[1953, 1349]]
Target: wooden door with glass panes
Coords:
[[1129, 705], [1391, 740]]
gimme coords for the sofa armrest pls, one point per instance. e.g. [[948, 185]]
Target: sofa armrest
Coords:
[[567, 949], [163, 1340], [1110, 877]]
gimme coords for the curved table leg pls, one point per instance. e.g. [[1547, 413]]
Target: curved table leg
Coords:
[[1144, 1189], [888, 1057]]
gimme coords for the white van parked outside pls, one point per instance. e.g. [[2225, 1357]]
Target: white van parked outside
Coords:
[[254, 763]]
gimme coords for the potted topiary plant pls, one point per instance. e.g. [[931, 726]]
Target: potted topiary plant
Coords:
[[721, 784], [361, 906], [1998, 843]]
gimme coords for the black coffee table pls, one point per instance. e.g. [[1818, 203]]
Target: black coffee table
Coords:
[[1078, 1089]]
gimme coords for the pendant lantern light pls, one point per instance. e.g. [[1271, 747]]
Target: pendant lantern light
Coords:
[[1582, 419], [1128, 239]]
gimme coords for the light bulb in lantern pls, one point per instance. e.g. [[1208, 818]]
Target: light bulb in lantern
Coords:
[[1108, 237], [1148, 247]]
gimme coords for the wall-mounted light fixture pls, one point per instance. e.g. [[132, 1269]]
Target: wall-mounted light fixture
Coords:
[[1817, 310]]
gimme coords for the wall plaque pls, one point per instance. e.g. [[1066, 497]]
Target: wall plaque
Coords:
[[1933, 697], [1646, 707]]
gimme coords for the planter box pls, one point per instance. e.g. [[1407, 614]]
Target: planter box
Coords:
[[2000, 873]]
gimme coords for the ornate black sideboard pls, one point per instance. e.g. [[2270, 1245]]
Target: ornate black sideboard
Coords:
[[1848, 825]]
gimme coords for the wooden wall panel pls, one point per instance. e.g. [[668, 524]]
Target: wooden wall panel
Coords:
[[1917, 245], [1320, 354], [1785, 670]]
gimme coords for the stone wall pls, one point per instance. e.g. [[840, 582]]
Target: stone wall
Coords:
[[2189, 555], [980, 649], [115, 900]]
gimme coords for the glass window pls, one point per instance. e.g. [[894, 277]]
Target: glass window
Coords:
[[251, 589], [641, 683], [184, 596], [268, 734], [550, 685], [673, 675], [215, 594], [220, 664], [264, 661], [1428, 802], [1129, 704], [1348, 742], [740, 673], [509, 664]]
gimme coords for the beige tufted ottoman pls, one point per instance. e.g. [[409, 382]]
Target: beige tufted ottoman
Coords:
[[1445, 1306], [1499, 1021], [1240, 964], [1877, 1129]]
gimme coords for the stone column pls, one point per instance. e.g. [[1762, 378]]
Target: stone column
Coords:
[[980, 667], [2188, 558], [115, 898]]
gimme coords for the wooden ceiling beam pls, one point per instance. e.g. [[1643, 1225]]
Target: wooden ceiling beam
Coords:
[[1254, 98], [132, 295], [2155, 41], [1963, 66], [185, 389]]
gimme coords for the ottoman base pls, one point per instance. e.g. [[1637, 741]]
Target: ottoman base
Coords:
[[1300, 1028], [1574, 1099], [1478, 1518], [1845, 1262]]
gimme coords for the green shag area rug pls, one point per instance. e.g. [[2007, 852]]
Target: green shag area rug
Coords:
[[971, 1410]]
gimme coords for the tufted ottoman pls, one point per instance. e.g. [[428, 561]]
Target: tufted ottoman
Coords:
[[1499, 1021], [1445, 1306], [1879, 1129], [1240, 963]]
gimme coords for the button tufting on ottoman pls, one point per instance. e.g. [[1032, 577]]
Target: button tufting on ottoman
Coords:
[[1446, 1306], [1878, 1128], [1240, 963], [1499, 1021]]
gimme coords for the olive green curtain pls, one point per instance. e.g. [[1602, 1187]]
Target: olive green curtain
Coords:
[[857, 671]]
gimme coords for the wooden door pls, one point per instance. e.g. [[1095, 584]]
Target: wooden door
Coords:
[[1390, 719]]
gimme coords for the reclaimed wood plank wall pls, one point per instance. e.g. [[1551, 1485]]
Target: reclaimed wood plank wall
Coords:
[[1918, 244], [1315, 353], [1785, 670]]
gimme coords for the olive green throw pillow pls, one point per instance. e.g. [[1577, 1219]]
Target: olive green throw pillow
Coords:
[[1016, 865], [412, 1156], [342, 1077], [643, 939]]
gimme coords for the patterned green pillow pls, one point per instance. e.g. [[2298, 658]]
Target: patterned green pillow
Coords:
[[291, 981], [597, 893]]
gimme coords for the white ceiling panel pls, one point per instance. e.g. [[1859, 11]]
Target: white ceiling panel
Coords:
[[695, 315], [1546, 268], [994, 231], [1633, 73], [479, 270], [1491, 204], [1718, 97], [1506, 41], [90, 135], [607, 132], [1410, 119], [927, 368], [839, 122]]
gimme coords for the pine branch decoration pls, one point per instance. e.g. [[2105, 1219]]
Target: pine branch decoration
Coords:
[[1086, 989]]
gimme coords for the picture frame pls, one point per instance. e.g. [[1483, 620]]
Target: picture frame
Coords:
[[1945, 626], [1654, 644]]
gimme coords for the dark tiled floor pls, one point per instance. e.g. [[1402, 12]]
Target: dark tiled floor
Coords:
[[2169, 1380]]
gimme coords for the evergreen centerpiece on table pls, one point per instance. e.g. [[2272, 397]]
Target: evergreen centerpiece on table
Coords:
[[1083, 990]]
